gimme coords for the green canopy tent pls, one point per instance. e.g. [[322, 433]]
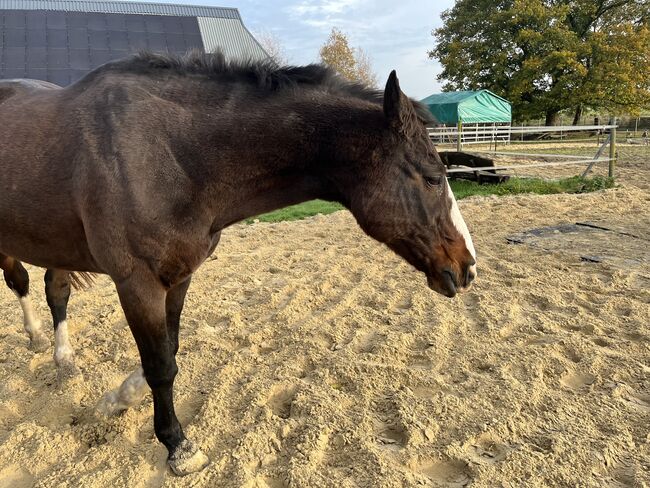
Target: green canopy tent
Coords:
[[470, 107]]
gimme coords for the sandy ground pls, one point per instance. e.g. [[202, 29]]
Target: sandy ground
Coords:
[[313, 357]]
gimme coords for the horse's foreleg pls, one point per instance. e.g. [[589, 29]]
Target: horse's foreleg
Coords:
[[173, 308], [134, 388], [143, 299], [57, 292], [17, 279]]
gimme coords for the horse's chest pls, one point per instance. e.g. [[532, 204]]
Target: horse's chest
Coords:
[[184, 258]]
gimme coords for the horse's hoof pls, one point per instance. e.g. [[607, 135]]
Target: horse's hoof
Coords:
[[110, 404], [39, 343], [187, 459], [68, 372]]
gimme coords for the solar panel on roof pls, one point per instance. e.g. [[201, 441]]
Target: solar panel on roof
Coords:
[[60, 40], [69, 44]]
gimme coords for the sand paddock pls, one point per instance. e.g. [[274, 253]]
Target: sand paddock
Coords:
[[313, 357]]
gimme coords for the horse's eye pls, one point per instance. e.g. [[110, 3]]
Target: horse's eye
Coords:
[[432, 181]]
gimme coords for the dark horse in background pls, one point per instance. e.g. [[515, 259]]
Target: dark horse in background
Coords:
[[136, 169]]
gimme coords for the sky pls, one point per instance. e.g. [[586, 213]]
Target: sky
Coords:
[[396, 34]]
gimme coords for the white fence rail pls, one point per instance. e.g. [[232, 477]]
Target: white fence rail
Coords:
[[581, 160], [470, 134], [482, 135]]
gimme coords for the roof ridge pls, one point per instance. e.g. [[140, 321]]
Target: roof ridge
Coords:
[[122, 7]]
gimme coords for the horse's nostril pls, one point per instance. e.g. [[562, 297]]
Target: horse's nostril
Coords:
[[450, 275], [470, 275]]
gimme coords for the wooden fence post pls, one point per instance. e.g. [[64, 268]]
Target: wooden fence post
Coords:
[[459, 142], [612, 148]]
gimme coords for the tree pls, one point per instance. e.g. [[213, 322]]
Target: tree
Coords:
[[337, 53], [547, 56], [365, 73], [273, 46]]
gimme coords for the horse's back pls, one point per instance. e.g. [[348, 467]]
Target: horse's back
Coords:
[[17, 87]]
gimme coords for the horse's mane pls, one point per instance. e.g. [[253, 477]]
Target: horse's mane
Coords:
[[264, 74]]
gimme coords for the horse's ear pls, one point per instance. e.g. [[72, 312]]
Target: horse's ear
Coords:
[[392, 95], [397, 107]]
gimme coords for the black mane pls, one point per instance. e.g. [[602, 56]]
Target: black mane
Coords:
[[266, 74]]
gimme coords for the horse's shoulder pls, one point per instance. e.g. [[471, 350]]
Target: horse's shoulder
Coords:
[[11, 88]]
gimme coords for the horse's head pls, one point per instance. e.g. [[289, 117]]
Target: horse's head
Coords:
[[406, 202]]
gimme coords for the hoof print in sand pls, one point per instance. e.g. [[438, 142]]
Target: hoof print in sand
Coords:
[[487, 450], [281, 400], [368, 343], [577, 381], [452, 473], [392, 437]]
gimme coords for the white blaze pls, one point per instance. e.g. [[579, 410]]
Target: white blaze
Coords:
[[460, 224], [63, 351]]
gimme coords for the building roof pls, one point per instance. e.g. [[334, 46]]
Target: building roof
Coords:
[[470, 107], [121, 7], [61, 40], [456, 96], [219, 28]]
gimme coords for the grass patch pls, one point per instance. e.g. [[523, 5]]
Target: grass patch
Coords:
[[299, 212], [462, 189], [517, 186]]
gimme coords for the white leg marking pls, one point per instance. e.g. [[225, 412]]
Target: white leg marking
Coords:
[[30, 317], [460, 224], [64, 355], [33, 325], [63, 352], [130, 393]]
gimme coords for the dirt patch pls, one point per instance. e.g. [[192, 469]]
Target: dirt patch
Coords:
[[627, 249], [312, 356]]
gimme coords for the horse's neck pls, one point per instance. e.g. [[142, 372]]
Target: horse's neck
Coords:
[[287, 157]]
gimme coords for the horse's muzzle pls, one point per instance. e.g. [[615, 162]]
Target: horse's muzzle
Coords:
[[447, 283], [443, 284]]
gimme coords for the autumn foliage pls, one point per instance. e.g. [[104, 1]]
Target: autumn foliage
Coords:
[[548, 56], [352, 63]]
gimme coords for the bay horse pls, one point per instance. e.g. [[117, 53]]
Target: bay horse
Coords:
[[135, 170]]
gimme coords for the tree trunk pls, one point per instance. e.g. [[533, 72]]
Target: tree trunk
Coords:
[[552, 117], [578, 115]]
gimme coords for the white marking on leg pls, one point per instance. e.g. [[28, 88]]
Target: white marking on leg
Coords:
[[133, 388], [30, 318], [38, 341], [461, 226], [130, 393], [63, 352]]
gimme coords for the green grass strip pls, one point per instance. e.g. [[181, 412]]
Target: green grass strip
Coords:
[[516, 186], [299, 212]]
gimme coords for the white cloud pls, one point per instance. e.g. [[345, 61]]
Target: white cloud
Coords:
[[322, 7]]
